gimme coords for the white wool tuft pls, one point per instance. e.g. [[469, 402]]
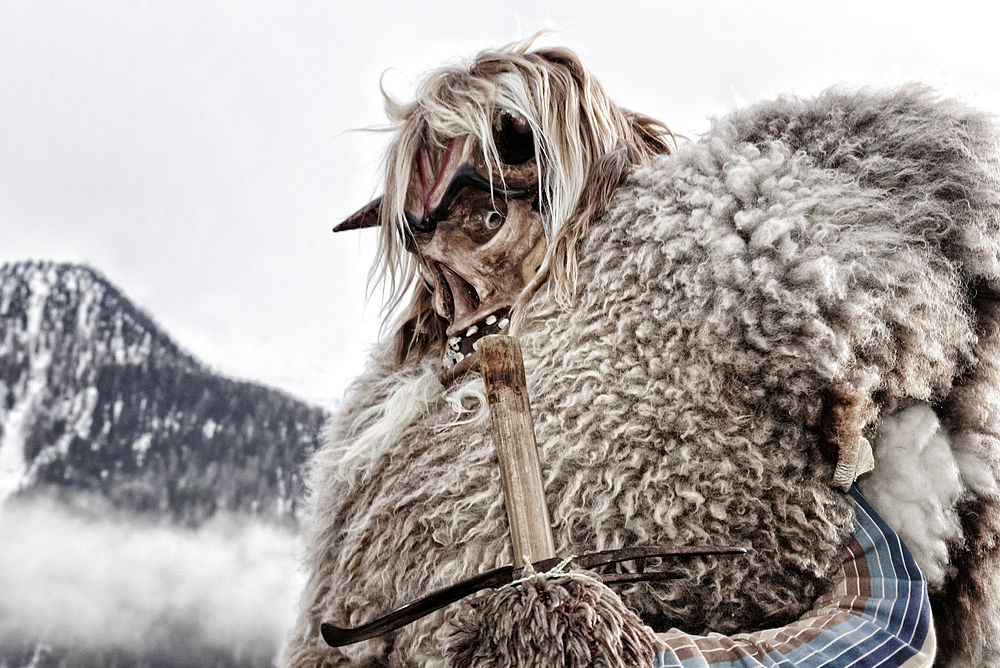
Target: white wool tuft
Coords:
[[469, 401], [915, 485], [376, 429], [976, 473]]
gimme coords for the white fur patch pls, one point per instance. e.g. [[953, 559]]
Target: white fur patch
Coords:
[[376, 430], [915, 485]]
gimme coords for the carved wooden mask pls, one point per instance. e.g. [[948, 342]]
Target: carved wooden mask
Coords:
[[477, 232]]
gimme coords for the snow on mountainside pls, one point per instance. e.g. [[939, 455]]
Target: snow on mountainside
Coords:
[[148, 507], [93, 396]]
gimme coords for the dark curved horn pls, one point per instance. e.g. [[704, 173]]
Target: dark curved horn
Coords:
[[367, 216]]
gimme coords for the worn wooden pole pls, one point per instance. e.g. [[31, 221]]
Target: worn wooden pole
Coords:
[[502, 367]]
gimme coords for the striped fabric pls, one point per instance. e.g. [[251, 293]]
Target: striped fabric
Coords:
[[877, 615]]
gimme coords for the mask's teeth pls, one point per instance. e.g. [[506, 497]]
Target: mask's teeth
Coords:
[[472, 331], [491, 320], [503, 323]]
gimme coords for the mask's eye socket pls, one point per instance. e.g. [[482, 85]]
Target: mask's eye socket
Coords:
[[513, 138]]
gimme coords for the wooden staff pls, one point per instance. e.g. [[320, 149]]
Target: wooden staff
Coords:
[[502, 368]]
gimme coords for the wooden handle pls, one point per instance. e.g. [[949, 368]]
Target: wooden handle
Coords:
[[502, 367]]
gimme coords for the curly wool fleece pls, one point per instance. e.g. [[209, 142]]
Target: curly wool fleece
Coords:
[[800, 247]]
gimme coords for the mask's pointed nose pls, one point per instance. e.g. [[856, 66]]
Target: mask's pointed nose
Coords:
[[367, 216]]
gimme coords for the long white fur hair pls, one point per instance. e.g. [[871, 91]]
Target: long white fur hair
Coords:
[[584, 143]]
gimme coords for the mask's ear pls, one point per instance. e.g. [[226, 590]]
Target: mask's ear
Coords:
[[368, 216]]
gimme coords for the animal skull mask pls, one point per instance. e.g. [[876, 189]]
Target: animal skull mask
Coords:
[[476, 229]]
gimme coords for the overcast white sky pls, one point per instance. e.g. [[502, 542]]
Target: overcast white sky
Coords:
[[198, 152]]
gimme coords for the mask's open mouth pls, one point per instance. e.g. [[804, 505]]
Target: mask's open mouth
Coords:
[[460, 350]]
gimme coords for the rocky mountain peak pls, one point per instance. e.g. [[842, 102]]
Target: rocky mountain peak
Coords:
[[95, 397]]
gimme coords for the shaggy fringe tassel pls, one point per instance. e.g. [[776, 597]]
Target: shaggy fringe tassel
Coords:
[[565, 621]]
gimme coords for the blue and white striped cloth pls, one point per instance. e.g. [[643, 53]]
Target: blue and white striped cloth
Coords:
[[877, 615]]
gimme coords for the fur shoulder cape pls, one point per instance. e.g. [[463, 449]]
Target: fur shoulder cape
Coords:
[[843, 246]]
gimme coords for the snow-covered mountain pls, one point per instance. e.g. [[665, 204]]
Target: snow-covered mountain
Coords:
[[148, 506], [94, 396]]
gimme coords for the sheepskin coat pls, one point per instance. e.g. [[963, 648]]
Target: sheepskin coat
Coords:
[[848, 245]]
